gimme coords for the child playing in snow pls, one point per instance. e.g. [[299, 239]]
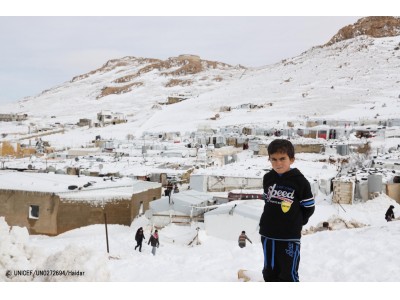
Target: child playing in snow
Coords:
[[242, 239], [154, 242], [289, 203]]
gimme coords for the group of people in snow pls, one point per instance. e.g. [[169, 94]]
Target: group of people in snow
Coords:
[[154, 240]]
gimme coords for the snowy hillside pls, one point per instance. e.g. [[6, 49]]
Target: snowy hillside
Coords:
[[352, 79], [347, 80], [130, 85]]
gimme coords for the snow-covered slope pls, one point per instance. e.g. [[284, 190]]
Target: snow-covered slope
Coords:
[[130, 85], [352, 77], [357, 75]]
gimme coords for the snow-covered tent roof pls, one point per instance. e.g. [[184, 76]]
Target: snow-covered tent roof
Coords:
[[160, 205], [181, 202], [228, 220], [192, 197], [246, 208], [182, 206]]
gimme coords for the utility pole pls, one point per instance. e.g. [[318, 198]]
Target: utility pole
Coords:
[[105, 223]]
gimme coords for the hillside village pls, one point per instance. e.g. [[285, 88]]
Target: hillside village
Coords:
[[183, 140]]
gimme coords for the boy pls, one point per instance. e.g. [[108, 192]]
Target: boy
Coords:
[[242, 239], [289, 203]]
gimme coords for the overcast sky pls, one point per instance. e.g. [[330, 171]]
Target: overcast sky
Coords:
[[38, 53]]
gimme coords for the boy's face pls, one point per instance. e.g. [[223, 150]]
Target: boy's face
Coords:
[[281, 162]]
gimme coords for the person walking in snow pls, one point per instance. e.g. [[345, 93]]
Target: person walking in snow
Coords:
[[154, 242], [289, 203], [168, 191], [139, 238], [242, 239], [389, 216]]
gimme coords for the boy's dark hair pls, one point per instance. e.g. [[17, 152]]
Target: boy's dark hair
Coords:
[[281, 146]]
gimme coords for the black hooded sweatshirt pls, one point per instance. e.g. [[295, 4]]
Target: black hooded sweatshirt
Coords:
[[289, 203]]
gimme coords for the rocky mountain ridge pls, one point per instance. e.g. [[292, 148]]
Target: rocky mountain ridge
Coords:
[[376, 27]]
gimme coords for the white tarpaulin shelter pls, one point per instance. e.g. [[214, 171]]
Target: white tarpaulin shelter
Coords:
[[229, 220], [183, 206]]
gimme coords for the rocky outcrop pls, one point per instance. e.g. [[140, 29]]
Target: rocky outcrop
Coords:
[[174, 66], [132, 69], [115, 63], [371, 26], [108, 90]]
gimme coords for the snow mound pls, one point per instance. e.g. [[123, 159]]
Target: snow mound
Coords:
[[83, 265], [21, 262], [15, 254]]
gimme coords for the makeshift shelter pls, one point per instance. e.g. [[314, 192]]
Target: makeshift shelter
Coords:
[[245, 194], [183, 207], [75, 152], [215, 183], [106, 117], [228, 220], [393, 191], [52, 204]]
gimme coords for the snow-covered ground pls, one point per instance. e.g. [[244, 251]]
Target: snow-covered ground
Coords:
[[364, 254]]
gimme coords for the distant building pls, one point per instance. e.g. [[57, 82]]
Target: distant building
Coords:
[[13, 117], [15, 149], [84, 122], [106, 117], [175, 98]]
